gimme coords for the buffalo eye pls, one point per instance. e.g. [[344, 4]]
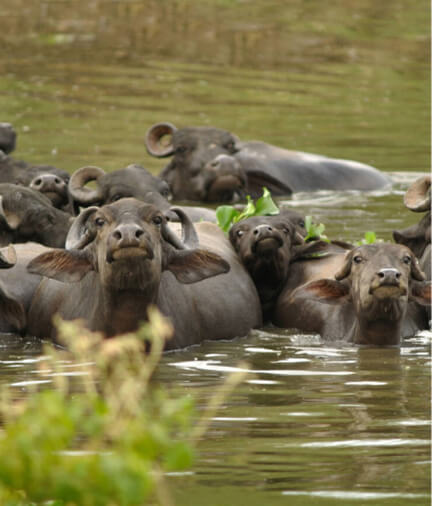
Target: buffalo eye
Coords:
[[406, 259], [180, 150], [358, 259], [157, 220], [240, 233], [115, 197], [230, 146], [302, 224], [100, 222]]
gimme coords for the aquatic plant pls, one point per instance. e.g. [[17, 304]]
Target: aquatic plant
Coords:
[[228, 215]]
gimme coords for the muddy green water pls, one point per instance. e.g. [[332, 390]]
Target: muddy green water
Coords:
[[82, 81]]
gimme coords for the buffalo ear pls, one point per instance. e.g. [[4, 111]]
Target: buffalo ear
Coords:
[[328, 291], [421, 292], [62, 265], [309, 250], [12, 311], [191, 266]]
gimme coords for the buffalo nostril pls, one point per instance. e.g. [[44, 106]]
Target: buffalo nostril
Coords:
[[38, 182], [381, 275], [398, 275], [269, 229], [57, 180], [256, 231], [215, 163], [117, 235], [139, 233]]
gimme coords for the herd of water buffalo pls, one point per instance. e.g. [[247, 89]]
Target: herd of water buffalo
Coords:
[[105, 252]]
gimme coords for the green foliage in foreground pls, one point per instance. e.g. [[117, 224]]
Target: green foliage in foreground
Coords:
[[228, 215], [106, 440]]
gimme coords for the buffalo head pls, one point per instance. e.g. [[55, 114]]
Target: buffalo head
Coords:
[[128, 244], [133, 181], [378, 280], [203, 166], [265, 245]]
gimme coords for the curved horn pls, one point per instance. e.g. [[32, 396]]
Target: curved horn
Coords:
[[79, 236], [189, 238], [345, 270], [153, 140], [85, 196], [416, 272], [12, 220], [189, 234], [418, 196], [9, 258]]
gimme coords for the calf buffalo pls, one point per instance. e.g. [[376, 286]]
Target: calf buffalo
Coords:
[[370, 292], [210, 164], [133, 181], [265, 245], [122, 257]]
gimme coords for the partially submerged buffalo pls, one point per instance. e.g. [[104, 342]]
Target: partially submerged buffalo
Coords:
[[122, 257], [266, 246], [365, 301], [132, 181], [418, 236], [47, 179], [27, 215], [210, 164]]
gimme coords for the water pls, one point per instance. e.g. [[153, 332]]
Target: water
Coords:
[[312, 424]]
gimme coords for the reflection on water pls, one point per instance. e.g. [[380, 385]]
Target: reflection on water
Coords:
[[82, 82]]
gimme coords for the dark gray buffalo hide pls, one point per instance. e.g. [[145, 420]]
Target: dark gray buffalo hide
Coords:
[[212, 165], [362, 296], [123, 257]]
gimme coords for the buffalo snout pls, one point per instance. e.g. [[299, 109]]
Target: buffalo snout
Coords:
[[226, 178], [129, 240]]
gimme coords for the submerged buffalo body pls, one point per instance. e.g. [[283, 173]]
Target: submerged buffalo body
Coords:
[[122, 257], [210, 164], [362, 298]]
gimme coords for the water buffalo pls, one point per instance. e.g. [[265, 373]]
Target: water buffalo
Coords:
[[133, 181], [123, 256], [27, 215], [47, 179], [265, 245], [418, 237], [211, 164], [369, 292], [12, 311]]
